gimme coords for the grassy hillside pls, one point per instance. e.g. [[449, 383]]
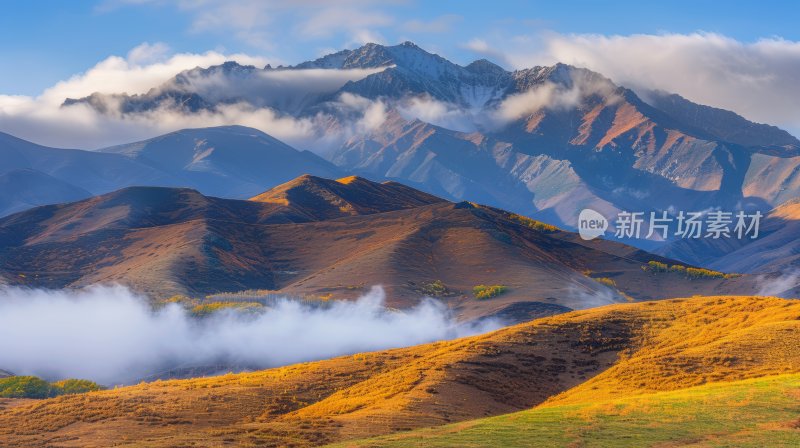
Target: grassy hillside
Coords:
[[688, 342], [574, 359], [749, 413]]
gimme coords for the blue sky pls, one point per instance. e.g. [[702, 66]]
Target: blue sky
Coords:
[[46, 41]]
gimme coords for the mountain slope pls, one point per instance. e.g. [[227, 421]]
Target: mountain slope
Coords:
[[37, 175], [316, 237], [775, 250], [452, 164], [313, 198], [582, 141], [594, 356], [724, 125], [228, 161], [756, 412], [22, 189], [775, 178]]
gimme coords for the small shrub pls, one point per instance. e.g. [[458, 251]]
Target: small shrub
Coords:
[[74, 386], [691, 273], [707, 273], [435, 289], [35, 387], [488, 291], [532, 223], [655, 266], [606, 281], [25, 387], [207, 309]]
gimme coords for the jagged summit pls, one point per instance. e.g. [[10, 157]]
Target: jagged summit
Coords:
[[227, 68], [485, 66], [407, 56]]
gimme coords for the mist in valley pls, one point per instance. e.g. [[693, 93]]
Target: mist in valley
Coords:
[[111, 335]]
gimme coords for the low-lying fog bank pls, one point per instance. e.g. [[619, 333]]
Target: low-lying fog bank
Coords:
[[113, 336]]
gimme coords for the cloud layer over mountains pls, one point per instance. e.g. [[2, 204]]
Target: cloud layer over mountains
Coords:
[[756, 80], [753, 79], [44, 121], [111, 335]]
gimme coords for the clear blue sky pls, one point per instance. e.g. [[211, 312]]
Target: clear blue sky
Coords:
[[43, 41]]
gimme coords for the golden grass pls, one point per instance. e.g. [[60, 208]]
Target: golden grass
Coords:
[[347, 180], [689, 342], [750, 413], [586, 356]]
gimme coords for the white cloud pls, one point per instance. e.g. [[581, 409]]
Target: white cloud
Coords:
[[286, 90], [778, 284], [568, 93], [253, 21], [326, 22], [147, 53], [441, 24], [110, 335], [80, 126], [248, 20], [372, 113], [42, 119], [757, 80], [145, 67], [439, 113]]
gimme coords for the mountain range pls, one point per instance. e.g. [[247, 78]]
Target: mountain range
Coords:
[[561, 137], [319, 238], [543, 142], [230, 161]]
